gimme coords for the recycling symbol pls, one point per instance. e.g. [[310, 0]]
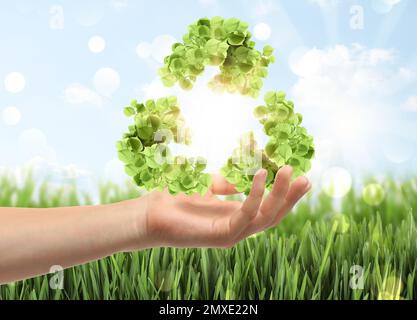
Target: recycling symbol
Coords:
[[226, 44]]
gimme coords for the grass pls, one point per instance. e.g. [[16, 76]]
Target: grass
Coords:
[[309, 256]]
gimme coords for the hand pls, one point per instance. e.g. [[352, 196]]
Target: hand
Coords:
[[70, 236], [197, 221]]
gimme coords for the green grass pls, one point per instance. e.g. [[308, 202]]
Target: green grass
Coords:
[[309, 256]]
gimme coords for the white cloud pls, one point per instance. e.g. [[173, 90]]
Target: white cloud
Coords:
[[119, 4], [42, 170], [160, 47], [89, 14], [144, 50], [384, 6], [34, 143], [114, 171], [11, 116], [106, 81], [325, 3], [391, 2], [78, 94], [265, 7], [15, 82], [262, 31], [348, 94], [208, 3], [411, 104], [155, 90], [51, 169], [340, 72], [96, 44], [398, 149]]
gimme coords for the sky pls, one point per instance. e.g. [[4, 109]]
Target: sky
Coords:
[[69, 67]]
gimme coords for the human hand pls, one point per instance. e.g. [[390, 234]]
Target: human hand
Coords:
[[206, 221], [76, 235]]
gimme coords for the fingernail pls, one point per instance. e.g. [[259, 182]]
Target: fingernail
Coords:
[[305, 182], [290, 169], [263, 173]]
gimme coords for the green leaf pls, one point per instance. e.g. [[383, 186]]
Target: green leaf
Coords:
[[231, 25], [177, 65], [200, 164], [284, 151], [204, 31], [126, 156], [135, 144], [260, 112], [269, 126], [237, 38], [206, 180], [204, 22], [282, 112], [122, 145], [145, 133], [145, 176], [150, 105], [140, 107], [302, 149], [271, 98], [129, 112], [268, 51], [131, 170], [283, 131], [188, 182], [186, 84], [270, 148], [154, 121]]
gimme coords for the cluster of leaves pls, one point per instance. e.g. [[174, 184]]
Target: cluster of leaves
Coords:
[[145, 150], [225, 43], [289, 144], [245, 161]]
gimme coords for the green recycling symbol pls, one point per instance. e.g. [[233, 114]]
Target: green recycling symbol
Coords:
[[226, 44]]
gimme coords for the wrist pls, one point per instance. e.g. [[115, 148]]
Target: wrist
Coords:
[[137, 235]]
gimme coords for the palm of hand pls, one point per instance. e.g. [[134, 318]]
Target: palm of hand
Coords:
[[197, 221]]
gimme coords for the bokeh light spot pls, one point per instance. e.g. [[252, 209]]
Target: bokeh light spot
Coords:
[[11, 116], [96, 44], [15, 82], [336, 182], [262, 31], [106, 81], [342, 223], [391, 289], [373, 194]]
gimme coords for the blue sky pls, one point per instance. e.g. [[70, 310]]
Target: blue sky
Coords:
[[68, 68]]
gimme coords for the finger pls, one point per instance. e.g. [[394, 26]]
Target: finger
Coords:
[[297, 190], [273, 203], [221, 186], [240, 220], [276, 197]]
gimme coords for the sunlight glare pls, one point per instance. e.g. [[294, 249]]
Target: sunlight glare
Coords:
[[217, 122]]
